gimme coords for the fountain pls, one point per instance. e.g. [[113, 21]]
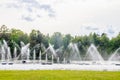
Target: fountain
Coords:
[[52, 59], [25, 53], [46, 58], [115, 56], [8, 54], [60, 53], [72, 53], [2, 54], [52, 50], [5, 52], [93, 54], [34, 55], [40, 57], [22, 44], [92, 60], [15, 53], [48, 52]]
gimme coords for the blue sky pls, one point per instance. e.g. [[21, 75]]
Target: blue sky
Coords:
[[76, 17]]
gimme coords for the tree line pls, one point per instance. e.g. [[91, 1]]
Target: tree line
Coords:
[[102, 42]]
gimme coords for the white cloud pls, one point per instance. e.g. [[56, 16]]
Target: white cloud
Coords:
[[77, 17]]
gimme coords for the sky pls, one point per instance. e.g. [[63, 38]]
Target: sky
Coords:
[[75, 17]]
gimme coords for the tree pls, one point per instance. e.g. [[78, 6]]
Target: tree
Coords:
[[114, 43], [33, 38], [104, 43], [66, 40], [57, 40], [5, 33], [18, 35]]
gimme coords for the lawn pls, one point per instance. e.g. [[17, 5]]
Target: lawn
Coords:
[[58, 75]]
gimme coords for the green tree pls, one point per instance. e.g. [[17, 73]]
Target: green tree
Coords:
[[4, 33], [18, 35], [104, 43], [33, 38], [57, 40], [66, 40]]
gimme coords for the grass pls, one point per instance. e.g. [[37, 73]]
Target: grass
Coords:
[[58, 75]]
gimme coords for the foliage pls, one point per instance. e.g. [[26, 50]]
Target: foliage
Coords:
[[57, 40], [102, 42]]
